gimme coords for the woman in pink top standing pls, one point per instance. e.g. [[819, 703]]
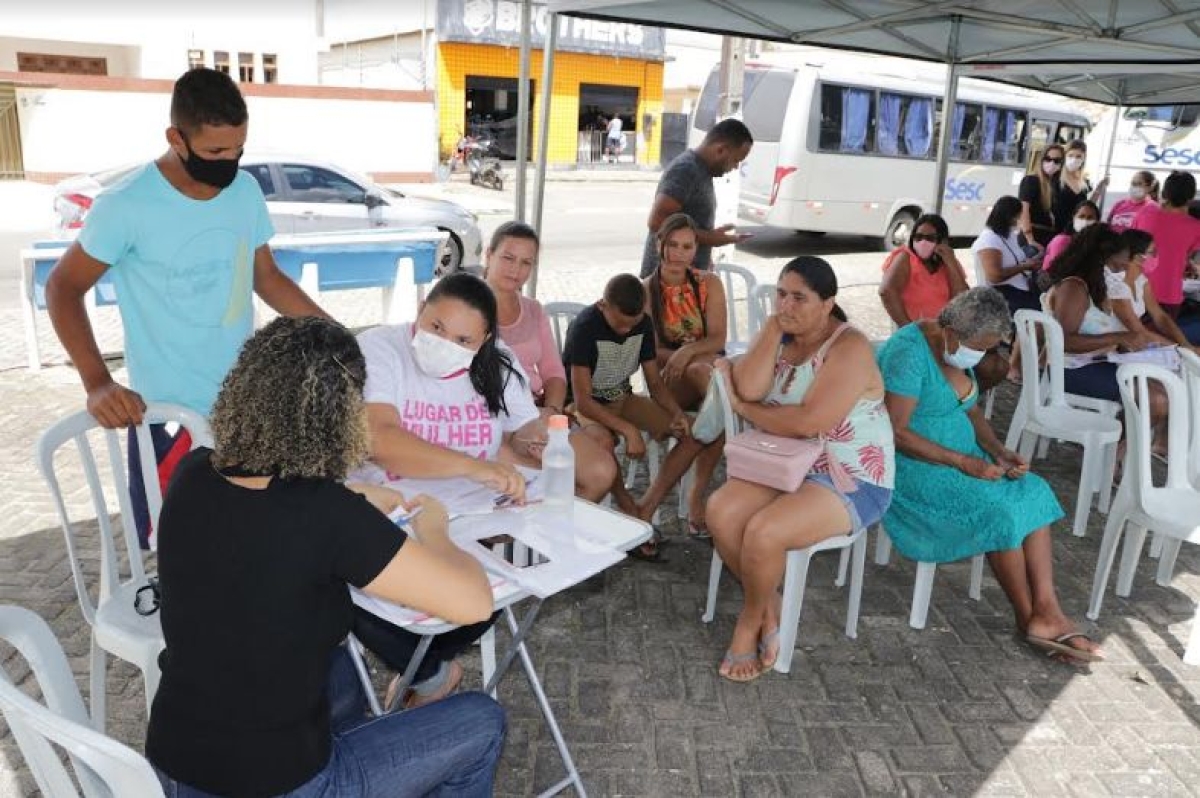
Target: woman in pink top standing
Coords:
[[1143, 190], [524, 326], [1176, 237]]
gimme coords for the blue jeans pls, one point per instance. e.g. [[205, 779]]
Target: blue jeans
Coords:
[[447, 748]]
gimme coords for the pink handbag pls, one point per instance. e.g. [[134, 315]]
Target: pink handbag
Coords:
[[772, 460]]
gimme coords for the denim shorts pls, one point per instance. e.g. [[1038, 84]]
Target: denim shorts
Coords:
[[865, 505]]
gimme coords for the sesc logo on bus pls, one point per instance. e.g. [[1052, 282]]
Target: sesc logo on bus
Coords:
[[1170, 156], [963, 191]]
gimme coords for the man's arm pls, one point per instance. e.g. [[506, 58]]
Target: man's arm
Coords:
[[665, 205], [277, 289], [113, 405]]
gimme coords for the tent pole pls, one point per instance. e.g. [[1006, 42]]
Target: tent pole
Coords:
[[947, 131], [523, 110], [539, 186], [1112, 140]]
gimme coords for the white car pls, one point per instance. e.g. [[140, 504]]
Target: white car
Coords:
[[307, 196]]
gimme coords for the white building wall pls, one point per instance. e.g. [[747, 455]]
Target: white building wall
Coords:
[[70, 131], [165, 32]]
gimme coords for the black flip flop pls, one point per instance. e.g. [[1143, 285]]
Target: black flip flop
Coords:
[[654, 556]]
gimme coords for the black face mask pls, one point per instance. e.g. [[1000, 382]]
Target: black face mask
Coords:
[[217, 172]]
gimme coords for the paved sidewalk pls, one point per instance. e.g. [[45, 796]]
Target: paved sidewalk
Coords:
[[960, 708]]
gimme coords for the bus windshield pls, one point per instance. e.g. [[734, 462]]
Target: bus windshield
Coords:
[[1172, 115]]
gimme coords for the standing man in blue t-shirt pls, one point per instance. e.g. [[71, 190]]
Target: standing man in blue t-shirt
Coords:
[[186, 239], [686, 186]]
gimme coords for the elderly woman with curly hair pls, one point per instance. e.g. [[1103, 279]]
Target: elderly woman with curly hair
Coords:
[[259, 540], [959, 491]]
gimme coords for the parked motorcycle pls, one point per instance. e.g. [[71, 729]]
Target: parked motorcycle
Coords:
[[485, 170]]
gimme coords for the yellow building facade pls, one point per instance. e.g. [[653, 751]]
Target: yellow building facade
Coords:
[[461, 65]]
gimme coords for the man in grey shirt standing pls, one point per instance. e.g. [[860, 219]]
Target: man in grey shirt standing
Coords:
[[686, 186]]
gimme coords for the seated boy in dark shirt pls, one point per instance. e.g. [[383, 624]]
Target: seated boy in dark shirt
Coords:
[[605, 346]]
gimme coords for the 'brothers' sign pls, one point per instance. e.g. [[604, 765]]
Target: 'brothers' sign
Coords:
[[499, 22]]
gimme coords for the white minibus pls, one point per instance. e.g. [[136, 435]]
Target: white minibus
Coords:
[[844, 150]]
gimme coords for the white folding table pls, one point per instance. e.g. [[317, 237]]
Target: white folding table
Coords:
[[602, 525]]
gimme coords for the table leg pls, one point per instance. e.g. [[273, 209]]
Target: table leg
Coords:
[[517, 647], [411, 671], [364, 678]]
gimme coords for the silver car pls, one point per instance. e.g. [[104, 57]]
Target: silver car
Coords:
[[308, 196]]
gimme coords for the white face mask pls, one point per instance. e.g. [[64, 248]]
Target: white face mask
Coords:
[[1074, 163], [1082, 224], [438, 357], [1137, 193], [1050, 168], [963, 358]]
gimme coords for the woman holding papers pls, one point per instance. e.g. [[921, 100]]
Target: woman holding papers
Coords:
[[1081, 303], [524, 326], [443, 394], [260, 541]]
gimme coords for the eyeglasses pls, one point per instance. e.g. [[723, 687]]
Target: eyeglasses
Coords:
[[1048, 159], [925, 237]]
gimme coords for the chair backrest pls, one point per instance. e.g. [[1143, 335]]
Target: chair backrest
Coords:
[[1029, 324], [733, 422], [730, 274], [102, 766], [762, 305], [76, 427], [561, 315], [1134, 381], [1191, 376]]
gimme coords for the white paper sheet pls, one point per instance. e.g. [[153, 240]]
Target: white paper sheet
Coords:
[[464, 497]]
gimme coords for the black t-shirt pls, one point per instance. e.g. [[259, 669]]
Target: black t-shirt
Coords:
[[1030, 191], [254, 600], [1066, 202], [612, 359]]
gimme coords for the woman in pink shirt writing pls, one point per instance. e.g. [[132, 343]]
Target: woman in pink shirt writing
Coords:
[[510, 258]]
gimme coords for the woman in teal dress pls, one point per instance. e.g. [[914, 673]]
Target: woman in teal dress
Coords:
[[958, 491]]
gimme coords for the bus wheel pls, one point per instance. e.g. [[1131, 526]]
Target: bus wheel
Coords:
[[898, 231]]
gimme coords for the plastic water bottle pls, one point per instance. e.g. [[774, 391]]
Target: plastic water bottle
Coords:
[[558, 471]]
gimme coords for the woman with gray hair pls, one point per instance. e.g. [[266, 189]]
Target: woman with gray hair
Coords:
[[959, 492]]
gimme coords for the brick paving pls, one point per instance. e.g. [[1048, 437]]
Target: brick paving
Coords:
[[960, 708]]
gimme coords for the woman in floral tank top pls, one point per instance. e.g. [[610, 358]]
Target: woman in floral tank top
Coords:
[[808, 373], [687, 307]]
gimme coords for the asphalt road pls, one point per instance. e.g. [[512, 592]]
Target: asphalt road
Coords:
[[588, 226]]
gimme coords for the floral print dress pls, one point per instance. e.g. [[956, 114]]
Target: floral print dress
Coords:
[[862, 442]]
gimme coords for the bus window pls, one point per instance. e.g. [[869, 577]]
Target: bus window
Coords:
[[966, 132], [904, 125], [1003, 129], [1187, 115], [709, 102], [1150, 113], [765, 102], [1068, 133], [847, 116]]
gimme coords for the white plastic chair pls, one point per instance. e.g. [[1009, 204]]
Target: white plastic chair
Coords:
[[116, 627], [729, 274], [795, 574], [1167, 549], [923, 584], [1043, 410], [762, 305], [102, 766], [1191, 376], [561, 314], [1172, 511]]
